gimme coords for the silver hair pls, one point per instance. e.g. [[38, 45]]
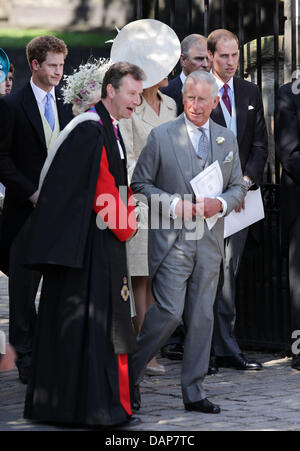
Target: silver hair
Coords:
[[190, 41], [200, 76]]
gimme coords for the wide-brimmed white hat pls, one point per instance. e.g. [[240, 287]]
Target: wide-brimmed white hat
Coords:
[[151, 45]]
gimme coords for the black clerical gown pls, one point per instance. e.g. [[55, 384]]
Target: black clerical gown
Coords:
[[84, 333]]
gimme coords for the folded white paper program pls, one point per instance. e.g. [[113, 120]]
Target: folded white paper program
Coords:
[[209, 183], [253, 212]]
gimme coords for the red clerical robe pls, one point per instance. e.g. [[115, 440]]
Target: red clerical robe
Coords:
[[84, 332]]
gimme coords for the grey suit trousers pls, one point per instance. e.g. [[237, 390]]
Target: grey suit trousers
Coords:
[[224, 341], [185, 285]]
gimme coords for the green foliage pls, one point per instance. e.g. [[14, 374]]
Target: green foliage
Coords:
[[18, 38]]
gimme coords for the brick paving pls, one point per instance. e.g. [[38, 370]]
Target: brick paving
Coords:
[[267, 400]]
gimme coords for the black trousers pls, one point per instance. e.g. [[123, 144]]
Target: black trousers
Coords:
[[22, 286], [294, 274], [224, 341]]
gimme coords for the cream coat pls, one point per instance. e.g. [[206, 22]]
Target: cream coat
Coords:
[[135, 133]]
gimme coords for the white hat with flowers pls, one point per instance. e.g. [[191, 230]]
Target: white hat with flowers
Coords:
[[83, 87]]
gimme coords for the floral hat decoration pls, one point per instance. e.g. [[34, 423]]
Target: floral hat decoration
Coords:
[[83, 87]]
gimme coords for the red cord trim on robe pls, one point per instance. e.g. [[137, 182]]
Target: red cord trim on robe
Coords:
[[124, 383], [119, 217]]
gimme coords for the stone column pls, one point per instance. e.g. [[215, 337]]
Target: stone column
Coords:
[[288, 38], [268, 68], [4, 10]]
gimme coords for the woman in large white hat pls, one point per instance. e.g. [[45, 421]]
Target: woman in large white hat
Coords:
[[154, 47]]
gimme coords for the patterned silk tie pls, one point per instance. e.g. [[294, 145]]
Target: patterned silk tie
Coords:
[[49, 113], [203, 146], [226, 99]]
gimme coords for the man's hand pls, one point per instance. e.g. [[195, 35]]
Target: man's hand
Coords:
[[240, 207], [212, 207], [7, 361], [34, 197], [200, 206], [185, 209]]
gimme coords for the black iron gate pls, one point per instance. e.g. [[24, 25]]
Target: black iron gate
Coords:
[[263, 320]]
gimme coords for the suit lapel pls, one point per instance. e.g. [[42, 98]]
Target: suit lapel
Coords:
[[178, 84], [216, 149], [33, 113], [241, 103], [218, 116], [64, 116], [180, 144], [178, 95]]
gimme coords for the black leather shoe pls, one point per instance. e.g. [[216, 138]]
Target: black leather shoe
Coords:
[[296, 363], [24, 374], [239, 362], [204, 406], [136, 405], [213, 367], [131, 422], [173, 351]]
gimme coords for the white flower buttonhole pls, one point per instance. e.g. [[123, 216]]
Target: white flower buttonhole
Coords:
[[220, 139]]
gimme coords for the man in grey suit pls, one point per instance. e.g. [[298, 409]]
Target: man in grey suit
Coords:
[[184, 269]]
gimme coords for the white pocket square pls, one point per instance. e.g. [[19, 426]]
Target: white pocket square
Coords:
[[250, 107], [228, 157]]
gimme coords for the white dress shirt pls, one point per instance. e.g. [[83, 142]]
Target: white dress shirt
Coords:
[[195, 135], [231, 121], [40, 96], [194, 132], [220, 84], [182, 77]]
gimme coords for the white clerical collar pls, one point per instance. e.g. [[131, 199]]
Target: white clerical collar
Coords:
[[40, 93], [114, 121]]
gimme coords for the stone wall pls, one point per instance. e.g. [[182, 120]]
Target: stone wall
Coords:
[[58, 14], [105, 14]]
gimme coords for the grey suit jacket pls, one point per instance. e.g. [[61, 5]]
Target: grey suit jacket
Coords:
[[165, 168]]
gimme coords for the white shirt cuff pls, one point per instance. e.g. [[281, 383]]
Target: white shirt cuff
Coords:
[[173, 206], [224, 204]]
